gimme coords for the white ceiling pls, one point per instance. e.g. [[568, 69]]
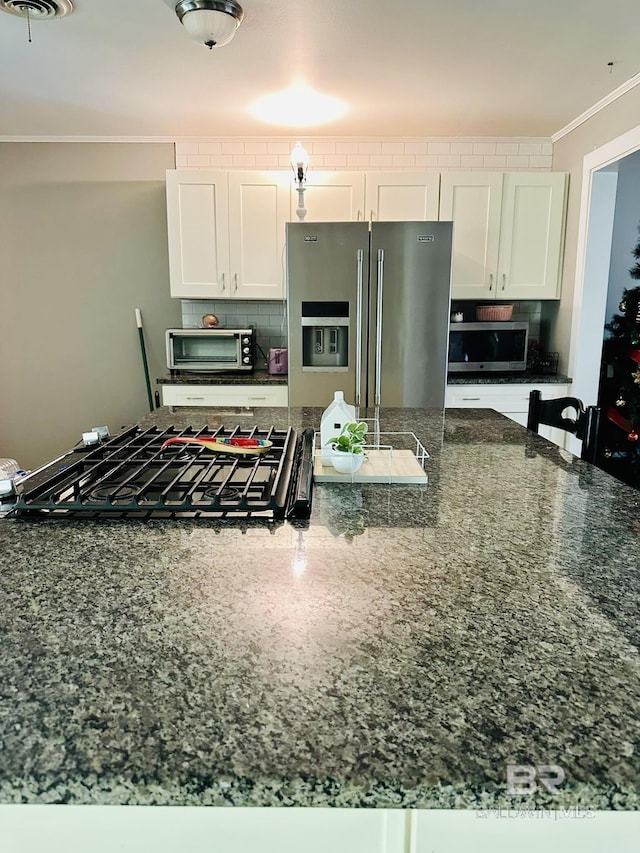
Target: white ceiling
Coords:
[[405, 67]]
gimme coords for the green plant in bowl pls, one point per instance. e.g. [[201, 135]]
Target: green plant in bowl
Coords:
[[351, 439], [348, 450]]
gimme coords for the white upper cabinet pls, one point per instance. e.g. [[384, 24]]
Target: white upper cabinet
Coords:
[[532, 235], [258, 213], [226, 233], [331, 197], [508, 233], [401, 196], [473, 201], [198, 232], [372, 196]]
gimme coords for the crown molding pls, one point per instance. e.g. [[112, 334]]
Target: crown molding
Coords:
[[169, 139], [631, 83]]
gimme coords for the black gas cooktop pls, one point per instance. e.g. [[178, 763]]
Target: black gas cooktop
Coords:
[[132, 476]]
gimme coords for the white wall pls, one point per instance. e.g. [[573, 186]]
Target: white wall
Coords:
[[83, 242], [615, 119]]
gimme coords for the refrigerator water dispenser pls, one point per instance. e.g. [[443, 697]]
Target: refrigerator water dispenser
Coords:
[[325, 336]]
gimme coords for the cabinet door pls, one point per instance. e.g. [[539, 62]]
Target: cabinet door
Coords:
[[258, 213], [331, 197], [401, 196], [473, 201], [531, 235], [198, 233]]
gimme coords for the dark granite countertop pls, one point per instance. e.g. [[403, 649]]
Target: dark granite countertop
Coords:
[[401, 648], [508, 379], [258, 377]]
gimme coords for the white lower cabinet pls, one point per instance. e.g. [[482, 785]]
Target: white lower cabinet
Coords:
[[225, 395], [174, 829], [509, 400], [524, 829]]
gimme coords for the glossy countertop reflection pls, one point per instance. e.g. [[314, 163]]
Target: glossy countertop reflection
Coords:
[[402, 647]]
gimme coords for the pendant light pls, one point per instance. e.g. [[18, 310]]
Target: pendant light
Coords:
[[210, 22]]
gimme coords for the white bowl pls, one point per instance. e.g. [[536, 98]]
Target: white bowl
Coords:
[[346, 463]]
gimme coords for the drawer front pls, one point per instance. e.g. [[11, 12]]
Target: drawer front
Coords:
[[502, 398], [225, 395]]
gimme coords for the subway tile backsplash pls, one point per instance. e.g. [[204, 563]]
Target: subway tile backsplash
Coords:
[[336, 153], [268, 318]]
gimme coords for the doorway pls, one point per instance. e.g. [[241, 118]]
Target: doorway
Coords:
[[593, 262]]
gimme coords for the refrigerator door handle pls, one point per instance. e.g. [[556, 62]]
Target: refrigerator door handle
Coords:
[[379, 327], [360, 257]]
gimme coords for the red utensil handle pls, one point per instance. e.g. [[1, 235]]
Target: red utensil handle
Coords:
[[231, 442], [179, 441]]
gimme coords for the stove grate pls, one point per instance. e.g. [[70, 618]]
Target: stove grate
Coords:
[[130, 476]]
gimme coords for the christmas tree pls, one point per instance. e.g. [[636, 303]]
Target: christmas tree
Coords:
[[620, 386]]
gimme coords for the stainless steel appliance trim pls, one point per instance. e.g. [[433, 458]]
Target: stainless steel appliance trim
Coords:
[[209, 332], [324, 369], [360, 257], [324, 321], [379, 328], [486, 366], [497, 325]]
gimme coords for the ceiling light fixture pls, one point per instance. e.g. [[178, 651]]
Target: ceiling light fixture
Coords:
[[298, 106], [210, 22], [300, 164]]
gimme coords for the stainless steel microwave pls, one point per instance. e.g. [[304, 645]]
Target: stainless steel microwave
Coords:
[[489, 346], [211, 350]]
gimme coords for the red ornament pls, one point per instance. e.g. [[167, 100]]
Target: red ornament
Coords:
[[633, 436]]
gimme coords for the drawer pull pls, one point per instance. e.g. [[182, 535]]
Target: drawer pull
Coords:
[[195, 398], [257, 398], [471, 398]]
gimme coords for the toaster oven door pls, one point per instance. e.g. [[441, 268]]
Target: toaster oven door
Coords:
[[209, 350]]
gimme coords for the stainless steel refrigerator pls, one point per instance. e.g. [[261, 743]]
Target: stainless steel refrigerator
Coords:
[[368, 312]]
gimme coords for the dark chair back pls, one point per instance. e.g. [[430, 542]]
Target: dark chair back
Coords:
[[584, 425]]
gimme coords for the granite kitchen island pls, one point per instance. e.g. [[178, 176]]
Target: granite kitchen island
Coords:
[[400, 649]]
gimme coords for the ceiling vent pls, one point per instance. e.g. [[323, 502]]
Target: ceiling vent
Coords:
[[37, 10]]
